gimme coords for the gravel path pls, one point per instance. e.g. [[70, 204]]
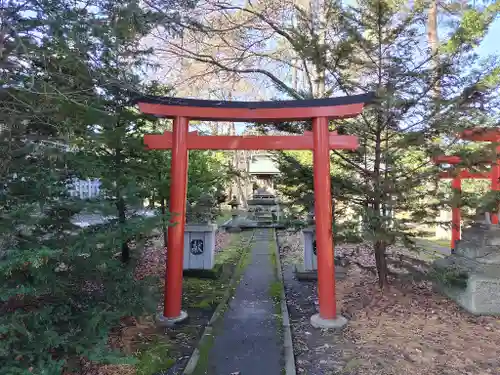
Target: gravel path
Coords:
[[316, 352]]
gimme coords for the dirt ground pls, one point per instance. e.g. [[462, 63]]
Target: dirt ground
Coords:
[[407, 329]]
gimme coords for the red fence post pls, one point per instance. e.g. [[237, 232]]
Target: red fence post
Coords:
[[323, 213], [175, 248]]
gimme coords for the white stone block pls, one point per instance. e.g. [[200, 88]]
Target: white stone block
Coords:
[[309, 246], [199, 246]]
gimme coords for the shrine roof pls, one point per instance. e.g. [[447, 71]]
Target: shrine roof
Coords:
[[338, 107], [262, 164]]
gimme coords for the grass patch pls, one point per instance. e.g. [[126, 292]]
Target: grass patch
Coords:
[[275, 291], [426, 250], [154, 358], [225, 216], [274, 261], [204, 353], [432, 241], [444, 243], [206, 294], [202, 293], [276, 288]]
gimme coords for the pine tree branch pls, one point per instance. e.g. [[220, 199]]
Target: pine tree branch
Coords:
[[351, 163], [210, 60]]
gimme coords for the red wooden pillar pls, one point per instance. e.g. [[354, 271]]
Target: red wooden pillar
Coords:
[[175, 245], [323, 213], [456, 186]]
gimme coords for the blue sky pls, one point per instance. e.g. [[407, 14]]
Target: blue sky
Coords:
[[491, 44]]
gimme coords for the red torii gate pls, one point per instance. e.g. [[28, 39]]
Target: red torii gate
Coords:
[[320, 141], [479, 135], [456, 184]]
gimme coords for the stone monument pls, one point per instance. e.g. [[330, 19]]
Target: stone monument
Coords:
[[239, 220], [199, 235], [471, 276]]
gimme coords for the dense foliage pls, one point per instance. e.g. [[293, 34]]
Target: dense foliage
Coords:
[[68, 72], [424, 98]]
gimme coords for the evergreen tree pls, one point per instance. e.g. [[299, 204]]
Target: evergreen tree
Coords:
[[67, 73], [380, 47], [427, 88]]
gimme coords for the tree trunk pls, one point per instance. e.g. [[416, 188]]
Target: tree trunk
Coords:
[[152, 200], [121, 207], [433, 40], [378, 228], [163, 221], [318, 27], [381, 263], [122, 218]]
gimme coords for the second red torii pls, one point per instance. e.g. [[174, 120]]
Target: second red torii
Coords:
[[480, 135]]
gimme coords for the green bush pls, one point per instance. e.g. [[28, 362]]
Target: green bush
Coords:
[[59, 303], [450, 277], [347, 232]]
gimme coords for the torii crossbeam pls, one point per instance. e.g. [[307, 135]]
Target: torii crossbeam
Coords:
[[320, 141]]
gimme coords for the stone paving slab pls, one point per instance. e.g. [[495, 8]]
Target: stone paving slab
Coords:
[[248, 341]]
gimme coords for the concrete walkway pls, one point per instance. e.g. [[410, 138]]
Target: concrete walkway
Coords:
[[248, 340], [432, 246]]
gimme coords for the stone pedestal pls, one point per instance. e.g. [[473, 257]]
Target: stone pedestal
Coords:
[[443, 229], [199, 246], [239, 222], [475, 268], [309, 269]]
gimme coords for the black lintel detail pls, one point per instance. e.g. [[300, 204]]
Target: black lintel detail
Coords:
[[324, 102]]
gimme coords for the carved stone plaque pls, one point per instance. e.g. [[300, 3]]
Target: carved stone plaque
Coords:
[[196, 247]]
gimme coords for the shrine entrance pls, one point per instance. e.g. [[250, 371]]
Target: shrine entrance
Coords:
[[320, 141]]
